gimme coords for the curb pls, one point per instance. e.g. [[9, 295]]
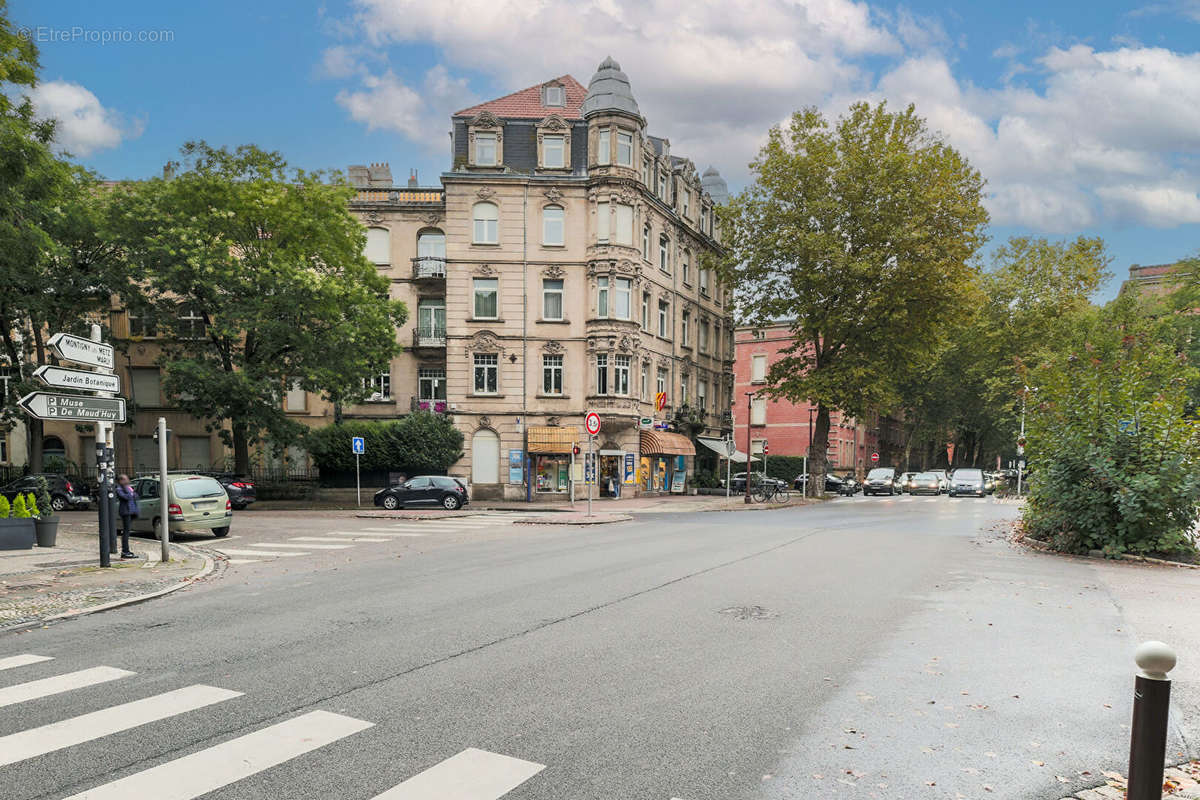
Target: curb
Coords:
[[205, 571], [1097, 555], [584, 521]]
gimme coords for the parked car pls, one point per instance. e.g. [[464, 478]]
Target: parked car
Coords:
[[737, 482], [195, 504], [424, 490], [850, 486], [832, 482], [65, 494], [240, 489], [882, 480], [925, 483], [906, 481], [943, 478], [968, 481]]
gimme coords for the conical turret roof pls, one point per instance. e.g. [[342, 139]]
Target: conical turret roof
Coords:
[[609, 90]]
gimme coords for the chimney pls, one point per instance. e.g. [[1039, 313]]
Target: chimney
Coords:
[[412, 179]]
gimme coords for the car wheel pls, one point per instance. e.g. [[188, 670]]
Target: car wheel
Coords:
[[391, 503], [450, 503], [59, 503], [220, 532]]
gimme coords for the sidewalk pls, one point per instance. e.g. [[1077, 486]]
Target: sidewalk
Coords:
[[50, 583], [1182, 782], [671, 503]]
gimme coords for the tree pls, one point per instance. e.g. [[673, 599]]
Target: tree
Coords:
[[54, 262], [421, 443], [255, 275], [860, 236]]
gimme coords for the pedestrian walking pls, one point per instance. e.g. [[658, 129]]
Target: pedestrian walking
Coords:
[[128, 510]]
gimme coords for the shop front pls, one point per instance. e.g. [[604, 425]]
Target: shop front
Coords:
[[550, 450], [664, 462]]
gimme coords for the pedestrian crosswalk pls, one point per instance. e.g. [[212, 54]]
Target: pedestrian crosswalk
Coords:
[[372, 530], [472, 774]]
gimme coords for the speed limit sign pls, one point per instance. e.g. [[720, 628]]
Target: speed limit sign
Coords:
[[592, 423]]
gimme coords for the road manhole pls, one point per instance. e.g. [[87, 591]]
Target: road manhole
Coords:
[[749, 612]]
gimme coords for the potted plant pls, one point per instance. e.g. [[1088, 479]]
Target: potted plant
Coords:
[[43, 511], [17, 530]]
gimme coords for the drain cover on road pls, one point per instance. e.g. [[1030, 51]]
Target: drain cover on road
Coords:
[[749, 612]]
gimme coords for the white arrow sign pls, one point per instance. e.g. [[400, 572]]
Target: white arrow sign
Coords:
[[74, 407], [64, 378], [82, 351]]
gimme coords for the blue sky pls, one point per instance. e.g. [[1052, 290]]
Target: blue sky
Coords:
[[1084, 117]]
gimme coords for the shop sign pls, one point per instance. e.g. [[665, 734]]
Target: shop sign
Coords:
[[630, 468], [646, 423], [516, 466]]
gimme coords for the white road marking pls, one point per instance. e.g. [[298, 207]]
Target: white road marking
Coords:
[[208, 770], [57, 735], [470, 775], [258, 553], [303, 546], [60, 683], [329, 539], [212, 543], [376, 532], [22, 660], [246, 560]]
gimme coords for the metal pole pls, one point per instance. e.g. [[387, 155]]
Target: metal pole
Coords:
[[728, 463], [100, 448], [1148, 738], [103, 502], [110, 506], [1019, 454], [164, 525], [357, 482], [749, 455], [592, 463]]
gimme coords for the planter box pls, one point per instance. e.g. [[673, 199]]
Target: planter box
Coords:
[[47, 531], [17, 534]]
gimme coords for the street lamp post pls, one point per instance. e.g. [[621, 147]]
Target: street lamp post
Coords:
[[749, 455], [1021, 441], [808, 453]]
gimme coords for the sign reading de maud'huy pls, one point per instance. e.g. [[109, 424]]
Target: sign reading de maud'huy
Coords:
[[77, 408]]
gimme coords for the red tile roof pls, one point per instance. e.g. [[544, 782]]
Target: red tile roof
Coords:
[[527, 103]]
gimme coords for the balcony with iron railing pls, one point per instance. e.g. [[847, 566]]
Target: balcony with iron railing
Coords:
[[421, 404], [429, 268], [429, 336]]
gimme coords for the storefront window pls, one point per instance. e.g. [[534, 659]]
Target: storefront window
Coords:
[[553, 473]]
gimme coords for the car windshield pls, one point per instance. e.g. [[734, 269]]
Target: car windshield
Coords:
[[879, 473], [968, 475], [191, 488], [927, 476]]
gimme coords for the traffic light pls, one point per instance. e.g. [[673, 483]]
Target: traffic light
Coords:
[[575, 449]]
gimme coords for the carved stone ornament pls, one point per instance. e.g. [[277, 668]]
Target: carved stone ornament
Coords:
[[374, 217], [484, 342], [485, 193], [485, 120], [553, 421], [627, 195], [626, 267], [431, 218], [485, 270], [553, 272], [485, 422], [664, 361], [553, 347], [629, 344], [554, 123], [553, 194]]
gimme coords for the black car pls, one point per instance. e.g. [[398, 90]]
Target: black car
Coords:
[[424, 491], [833, 483], [737, 482], [882, 480], [65, 494], [241, 490]]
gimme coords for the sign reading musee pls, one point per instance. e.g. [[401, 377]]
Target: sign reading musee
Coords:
[[63, 378], [44, 405], [82, 351]]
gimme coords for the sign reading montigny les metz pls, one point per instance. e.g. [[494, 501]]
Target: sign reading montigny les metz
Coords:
[[82, 351], [63, 378], [73, 407]]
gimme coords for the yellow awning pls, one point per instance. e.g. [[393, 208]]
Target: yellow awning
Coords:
[[551, 439], [662, 442]]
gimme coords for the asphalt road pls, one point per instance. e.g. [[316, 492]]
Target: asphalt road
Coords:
[[865, 648]]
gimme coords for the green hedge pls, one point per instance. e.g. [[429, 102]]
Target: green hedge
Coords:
[[422, 443]]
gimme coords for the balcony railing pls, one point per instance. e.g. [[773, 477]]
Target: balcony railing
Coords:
[[429, 268], [425, 336], [436, 406]]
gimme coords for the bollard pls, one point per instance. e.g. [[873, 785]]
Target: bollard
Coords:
[[1148, 739]]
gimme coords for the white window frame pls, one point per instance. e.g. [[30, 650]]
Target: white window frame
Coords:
[[486, 365], [604, 146], [646, 242], [552, 374], [664, 319], [494, 141], [758, 411], [704, 282], [480, 288], [624, 224], [758, 368], [602, 296], [602, 384], [603, 222], [558, 100], [621, 367], [554, 217], [624, 137], [685, 267], [378, 387], [660, 381], [483, 232], [552, 287], [686, 318], [622, 292], [702, 395], [664, 253], [189, 318], [560, 147], [430, 382], [645, 381], [378, 246], [703, 338], [646, 311]]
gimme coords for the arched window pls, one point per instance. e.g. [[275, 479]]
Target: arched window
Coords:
[[553, 225], [431, 254], [664, 247], [487, 223], [53, 447], [379, 246]]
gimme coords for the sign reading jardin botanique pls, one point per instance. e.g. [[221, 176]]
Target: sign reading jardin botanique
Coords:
[[63, 378]]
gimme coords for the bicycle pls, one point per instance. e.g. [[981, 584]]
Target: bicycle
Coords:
[[769, 490]]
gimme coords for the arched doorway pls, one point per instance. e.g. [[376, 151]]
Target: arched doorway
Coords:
[[54, 453], [485, 457]]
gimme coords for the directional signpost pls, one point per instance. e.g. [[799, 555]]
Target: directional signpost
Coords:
[[101, 408], [73, 407], [358, 445], [63, 378], [592, 423]]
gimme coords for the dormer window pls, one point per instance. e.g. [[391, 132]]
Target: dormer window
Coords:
[[554, 96], [552, 152]]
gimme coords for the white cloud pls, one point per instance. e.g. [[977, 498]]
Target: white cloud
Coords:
[[84, 124], [1088, 136], [385, 102]]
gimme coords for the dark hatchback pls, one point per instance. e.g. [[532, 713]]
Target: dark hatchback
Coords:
[[64, 493], [241, 491], [424, 491]]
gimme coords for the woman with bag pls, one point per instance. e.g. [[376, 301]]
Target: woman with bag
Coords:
[[128, 510]]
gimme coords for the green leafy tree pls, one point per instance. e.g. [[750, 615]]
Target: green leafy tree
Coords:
[[267, 263], [421, 443], [861, 236]]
